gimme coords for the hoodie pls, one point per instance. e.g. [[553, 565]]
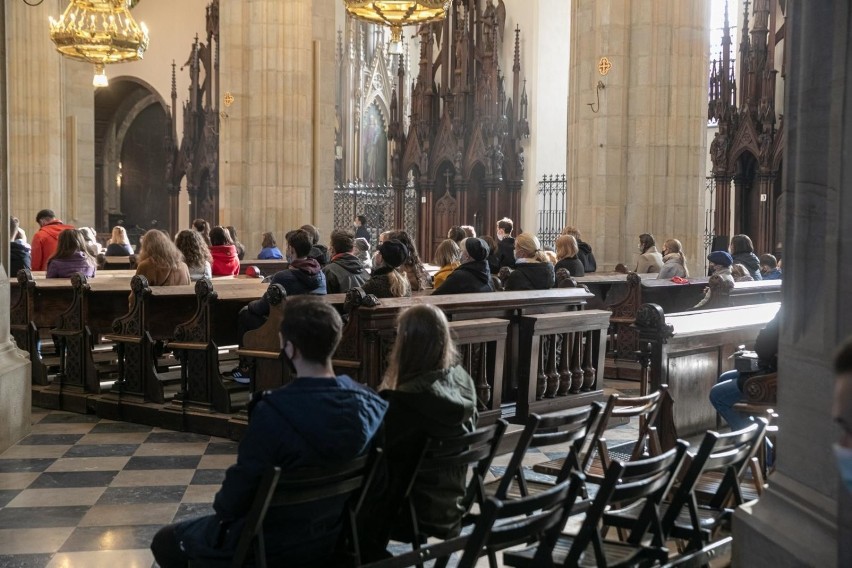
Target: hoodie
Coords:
[[531, 276], [310, 422], [225, 261], [344, 272], [436, 404], [586, 256], [319, 253], [750, 261], [304, 276], [44, 243], [67, 267], [19, 257], [473, 276]]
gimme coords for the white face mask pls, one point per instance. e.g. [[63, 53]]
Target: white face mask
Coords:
[[844, 464], [500, 235]]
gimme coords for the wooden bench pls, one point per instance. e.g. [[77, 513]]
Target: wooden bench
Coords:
[[688, 352], [111, 263], [267, 267]]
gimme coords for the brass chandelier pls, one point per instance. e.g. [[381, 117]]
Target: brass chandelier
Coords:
[[397, 13], [99, 32]]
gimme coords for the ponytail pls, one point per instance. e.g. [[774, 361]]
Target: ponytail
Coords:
[[399, 285], [683, 262]]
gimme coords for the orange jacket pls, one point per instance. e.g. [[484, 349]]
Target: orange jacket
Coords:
[[44, 243]]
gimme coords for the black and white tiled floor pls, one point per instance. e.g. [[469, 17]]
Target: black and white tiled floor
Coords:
[[82, 492]]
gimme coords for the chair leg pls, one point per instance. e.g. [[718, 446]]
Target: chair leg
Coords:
[[259, 551]]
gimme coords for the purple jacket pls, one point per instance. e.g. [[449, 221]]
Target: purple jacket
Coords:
[[66, 267]]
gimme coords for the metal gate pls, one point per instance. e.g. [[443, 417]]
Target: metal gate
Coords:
[[376, 202], [552, 208]]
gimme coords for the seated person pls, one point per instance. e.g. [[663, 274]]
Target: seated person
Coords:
[[317, 419], [584, 249], [742, 251], [741, 273], [269, 248], [362, 251], [729, 387], [493, 260], [345, 271], [566, 254], [318, 252], [448, 257], [505, 243], [413, 268], [720, 266], [386, 281], [532, 270], [71, 256], [160, 261], [224, 253], [430, 396], [473, 275], [456, 234], [241, 249], [119, 244], [650, 260], [196, 254], [674, 261], [19, 251], [769, 267]]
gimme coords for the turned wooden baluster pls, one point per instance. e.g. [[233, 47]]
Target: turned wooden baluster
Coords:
[[552, 373], [588, 368], [541, 378], [576, 372], [483, 389], [564, 371]]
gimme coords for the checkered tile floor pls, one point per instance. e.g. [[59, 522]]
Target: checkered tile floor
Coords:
[[82, 492]]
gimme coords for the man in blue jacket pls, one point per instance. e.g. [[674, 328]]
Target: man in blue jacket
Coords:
[[317, 419]]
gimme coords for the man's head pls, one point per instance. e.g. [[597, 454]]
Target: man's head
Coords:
[[313, 232], [310, 331], [299, 244], [768, 263], [44, 217], [474, 249], [360, 221], [719, 259], [504, 228], [342, 242]]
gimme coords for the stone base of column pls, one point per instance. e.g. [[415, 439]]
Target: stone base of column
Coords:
[[790, 526], [15, 395]]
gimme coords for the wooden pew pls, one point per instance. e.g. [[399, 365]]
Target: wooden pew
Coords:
[[688, 352], [267, 267]]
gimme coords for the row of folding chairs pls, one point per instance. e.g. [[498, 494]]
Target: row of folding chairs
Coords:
[[649, 496]]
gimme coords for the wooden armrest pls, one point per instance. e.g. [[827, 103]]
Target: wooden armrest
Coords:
[[188, 345], [258, 354], [761, 389]]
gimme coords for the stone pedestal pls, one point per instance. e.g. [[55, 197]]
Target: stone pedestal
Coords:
[[796, 522], [636, 155]]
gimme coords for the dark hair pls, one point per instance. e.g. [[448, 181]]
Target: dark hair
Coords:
[[219, 236], [647, 241], [741, 244], [843, 358], [423, 344], [313, 326], [342, 241], [362, 219], [312, 232], [489, 240], [469, 231], [69, 242], [506, 224], [268, 240], [413, 258], [768, 260], [300, 242], [233, 231], [45, 214], [287, 235], [202, 227], [456, 234]]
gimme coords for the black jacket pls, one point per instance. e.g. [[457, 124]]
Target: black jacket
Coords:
[[303, 277], [586, 256], [474, 276], [572, 265], [19, 258], [751, 262], [532, 276], [506, 252], [320, 254], [116, 249], [362, 233]]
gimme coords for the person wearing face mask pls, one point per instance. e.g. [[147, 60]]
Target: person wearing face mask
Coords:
[[505, 243], [650, 260], [720, 263], [473, 275]]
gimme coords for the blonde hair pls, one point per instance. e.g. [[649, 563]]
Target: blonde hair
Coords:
[[119, 236], [157, 247], [530, 244], [674, 246], [566, 247], [399, 285], [423, 344], [447, 252], [569, 230]]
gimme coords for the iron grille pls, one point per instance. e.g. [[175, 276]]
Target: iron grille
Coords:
[[552, 208]]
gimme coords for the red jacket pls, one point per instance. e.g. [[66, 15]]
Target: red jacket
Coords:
[[225, 260], [44, 243]]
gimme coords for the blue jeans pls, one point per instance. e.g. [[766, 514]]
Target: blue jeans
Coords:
[[725, 395]]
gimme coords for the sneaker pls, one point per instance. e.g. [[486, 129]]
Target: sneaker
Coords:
[[240, 375]]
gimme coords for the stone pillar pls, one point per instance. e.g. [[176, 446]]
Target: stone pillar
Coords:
[[795, 523], [271, 164], [636, 156], [15, 394]]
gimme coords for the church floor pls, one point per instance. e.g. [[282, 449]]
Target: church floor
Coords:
[[80, 491]]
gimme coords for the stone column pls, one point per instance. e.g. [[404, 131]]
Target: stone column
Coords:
[[636, 156], [15, 394], [795, 523], [270, 163]]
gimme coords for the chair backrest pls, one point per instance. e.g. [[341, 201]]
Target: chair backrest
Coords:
[[301, 486], [574, 427], [526, 519], [640, 483]]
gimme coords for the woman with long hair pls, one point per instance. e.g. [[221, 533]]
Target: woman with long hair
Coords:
[[196, 255], [202, 227], [71, 256], [269, 248], [387, 281], [241, 250], [584, 249], [91, 240], [566, 255], [448, 257], [413, 267], [650, 260], [225, 261], [430, 396], [160, 261], [119, 244], [742, 251], [532, 269], [674, 261]]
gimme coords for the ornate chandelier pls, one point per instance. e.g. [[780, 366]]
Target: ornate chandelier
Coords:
[[99, 32], [398, 13]]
